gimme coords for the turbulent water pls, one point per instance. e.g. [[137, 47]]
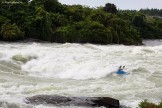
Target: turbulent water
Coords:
[[28, 69]]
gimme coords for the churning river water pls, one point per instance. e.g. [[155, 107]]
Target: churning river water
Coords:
[[28, 69]]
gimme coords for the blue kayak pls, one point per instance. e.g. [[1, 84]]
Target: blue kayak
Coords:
[[121, 72]]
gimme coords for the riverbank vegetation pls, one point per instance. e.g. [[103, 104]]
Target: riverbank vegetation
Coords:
[[49, 20], [146, 104]]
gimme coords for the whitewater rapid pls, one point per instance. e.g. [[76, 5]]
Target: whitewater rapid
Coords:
[[28, 69]]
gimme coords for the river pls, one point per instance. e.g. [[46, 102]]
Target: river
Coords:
[[28, 69]]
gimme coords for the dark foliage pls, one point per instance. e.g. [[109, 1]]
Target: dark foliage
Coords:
[[110, 8], [51, 21], [146, 104]]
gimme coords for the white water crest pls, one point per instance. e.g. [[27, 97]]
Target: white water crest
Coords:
[[28, 69]]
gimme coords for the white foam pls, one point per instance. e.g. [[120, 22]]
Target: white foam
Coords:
[[90, 65], [76, 61]]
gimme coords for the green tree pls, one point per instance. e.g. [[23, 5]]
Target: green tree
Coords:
[[110, 8], [49, 5], [49, 20], [58, 20], [2, 20], [76, 13], [52, 5], [102, 17], [25, 1], [93, 32], [0, 3], [146, 104], [138, 20], [11, 32], [43, 22], [100, 34], [65, 34]]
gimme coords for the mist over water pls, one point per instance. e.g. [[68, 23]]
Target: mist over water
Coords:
[[28, 69]]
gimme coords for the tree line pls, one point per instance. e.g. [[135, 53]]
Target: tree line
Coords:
[[152, 12], [49, 20]]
